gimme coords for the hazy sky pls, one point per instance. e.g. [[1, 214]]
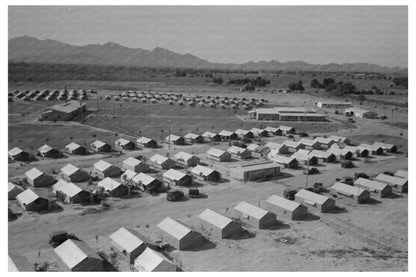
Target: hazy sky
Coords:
[[315, 34]]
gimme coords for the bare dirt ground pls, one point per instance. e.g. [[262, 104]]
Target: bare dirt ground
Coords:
[[365, 237]]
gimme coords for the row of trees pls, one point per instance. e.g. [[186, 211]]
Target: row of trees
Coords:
[[255, 82]]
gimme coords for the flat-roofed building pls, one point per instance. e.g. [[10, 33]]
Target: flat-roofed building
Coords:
[[333, 104], [255, 171], [64, 112], [316, 201], [286, 208], [217, 226], [357, 194], [382, 189], [287, 114], [254, 216]]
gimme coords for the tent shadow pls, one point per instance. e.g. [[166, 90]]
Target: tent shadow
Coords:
[[309, 217], [372, 201], [277, 225], [338, 210], [394, 195], [204, 245], [244, 234]]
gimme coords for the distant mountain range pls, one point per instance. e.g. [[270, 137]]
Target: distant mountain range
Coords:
[[30, 49]]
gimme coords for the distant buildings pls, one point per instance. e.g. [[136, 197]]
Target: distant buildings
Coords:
[[333, 104], [358, 112], [287, 114]]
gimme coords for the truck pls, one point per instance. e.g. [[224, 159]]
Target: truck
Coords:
[[175, 195], [59, 237], [289, 194]]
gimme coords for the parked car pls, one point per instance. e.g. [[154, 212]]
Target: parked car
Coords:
[[59, 237], [175, 195]]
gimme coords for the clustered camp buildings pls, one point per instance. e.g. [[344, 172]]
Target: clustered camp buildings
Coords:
[[259, 161]]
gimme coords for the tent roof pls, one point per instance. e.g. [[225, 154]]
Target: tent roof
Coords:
[[202, 170], [149, 260], [250, 210], [73, 252], [128, 240], [33, 173], [69, 189], [132, 161], [174, 174], [174, 228], [158, 159], [143, 178], [215, 218], [102, 165], [27, 196], [311, 196], [215, 152], [283, 203], [109, 184], [347, 189], [69, 169]]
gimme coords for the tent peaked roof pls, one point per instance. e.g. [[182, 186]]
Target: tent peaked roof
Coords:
[[73, 252], [128, 240], [174, 228], [250, 210], [215, 218], [283, 202]]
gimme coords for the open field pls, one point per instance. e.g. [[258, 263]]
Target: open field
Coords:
[[366, 237]]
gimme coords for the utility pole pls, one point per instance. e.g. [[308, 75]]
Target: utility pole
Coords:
[[392, 116], [169, 138], [98, 95], [307, 176]]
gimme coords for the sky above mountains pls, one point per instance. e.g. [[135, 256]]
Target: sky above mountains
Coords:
[[314, 34]]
